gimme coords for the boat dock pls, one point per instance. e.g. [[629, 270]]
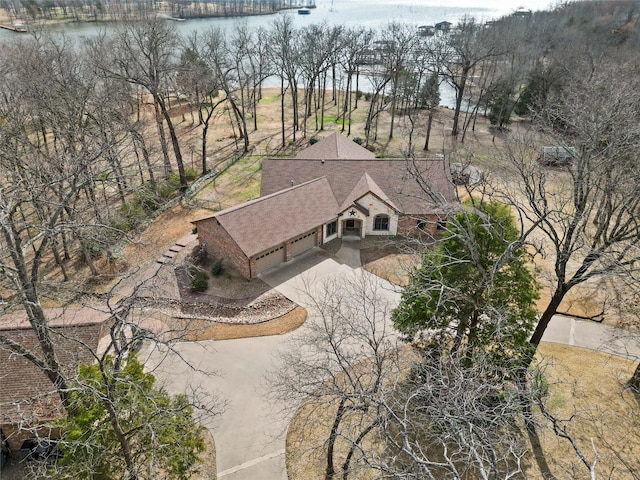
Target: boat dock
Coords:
[[15, 27]]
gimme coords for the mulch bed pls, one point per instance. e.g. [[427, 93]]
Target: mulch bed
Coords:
[[257, 308]]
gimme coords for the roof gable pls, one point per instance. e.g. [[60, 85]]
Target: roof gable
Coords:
[[366, 185], [334, 147]]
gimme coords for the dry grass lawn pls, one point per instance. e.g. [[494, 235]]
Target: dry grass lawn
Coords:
[[586, 389], [207, 469], [394, 268], [208, 330]]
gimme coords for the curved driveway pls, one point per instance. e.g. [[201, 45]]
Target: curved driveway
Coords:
[[250, 439]]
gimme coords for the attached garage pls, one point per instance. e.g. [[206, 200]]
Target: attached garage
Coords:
[[303, 243], [263, 233], [270, 259]]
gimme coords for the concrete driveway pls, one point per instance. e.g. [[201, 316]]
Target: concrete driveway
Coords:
[[250, 438]]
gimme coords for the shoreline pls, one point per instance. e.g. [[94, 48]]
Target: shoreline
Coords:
[[8, 23]]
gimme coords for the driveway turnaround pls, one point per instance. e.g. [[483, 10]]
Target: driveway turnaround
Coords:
[[249, 436]]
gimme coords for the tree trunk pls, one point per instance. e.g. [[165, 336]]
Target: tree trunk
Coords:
[[549, 312], [282, 109], [393, 102], [205, 128], [139, 141], [634, 382], [123, 441], [163, 140], [459, 96], [324, 94], [176, 147], [35, 314], [347, 462], [331, 442], [429, 122]]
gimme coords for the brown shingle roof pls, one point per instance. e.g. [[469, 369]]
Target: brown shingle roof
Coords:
[[26, 394], [395, 177], [270, 220], [336, 146]]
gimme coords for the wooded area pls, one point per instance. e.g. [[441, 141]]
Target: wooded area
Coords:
[[89, 149]]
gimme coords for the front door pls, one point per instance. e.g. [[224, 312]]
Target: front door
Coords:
[[351, 227]]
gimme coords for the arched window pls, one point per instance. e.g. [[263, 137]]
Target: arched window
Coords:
[[381, 222]]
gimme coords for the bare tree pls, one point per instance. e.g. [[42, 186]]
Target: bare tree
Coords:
[[284, 57], [585, 213], [450, 420], [458, 54], [142, 54], [199, 83], [322, 43], [342, 360], [355, 41], [43, 181]]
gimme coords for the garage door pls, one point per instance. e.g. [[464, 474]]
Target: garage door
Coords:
[[303, 243], [270, 259]]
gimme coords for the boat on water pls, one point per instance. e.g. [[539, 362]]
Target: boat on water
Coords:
[[304, 11]]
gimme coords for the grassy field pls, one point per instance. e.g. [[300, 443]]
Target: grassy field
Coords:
[[587, 393]]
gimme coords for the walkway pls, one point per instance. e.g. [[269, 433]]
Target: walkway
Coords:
[[157, 279], [349, 252]]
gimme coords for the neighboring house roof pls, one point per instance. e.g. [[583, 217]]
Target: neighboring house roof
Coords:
[[415, 186], [259, 224], [336, 146], [26, 394]]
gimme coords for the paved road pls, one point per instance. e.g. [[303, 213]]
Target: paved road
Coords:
[[583, 333], [250, 438]]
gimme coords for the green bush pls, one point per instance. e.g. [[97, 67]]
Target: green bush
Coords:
[[217, 268], [166, 189], [199, 281], [367, 96], [359, 94], [128, 216], [194, 230], [148, 199], [173, 179], [358, 140], [191, 173], [313, 140], [94, 248]]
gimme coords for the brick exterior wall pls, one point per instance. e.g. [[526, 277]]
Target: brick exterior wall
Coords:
[[408, 225], [221, 245], [287, 251]]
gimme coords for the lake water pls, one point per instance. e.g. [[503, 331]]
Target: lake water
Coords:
[[366, 13]]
